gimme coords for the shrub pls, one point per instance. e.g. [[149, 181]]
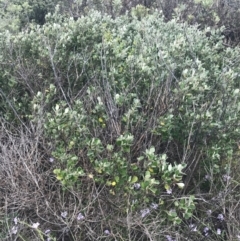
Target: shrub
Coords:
[[132, 110]]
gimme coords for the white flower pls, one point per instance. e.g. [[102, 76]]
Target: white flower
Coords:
[[169, 191], [169, 238], [220, 217], [80, 217], [35, 225], [136, 186], [51, 159], [64, 214], [154, 206], [117, 96], [107, 232], [219, 231], [144, 212], [193, 227], [226, 177], [14, 229], [47, 231], [209, 212], [207, 177], [205, 230], [15, 220]]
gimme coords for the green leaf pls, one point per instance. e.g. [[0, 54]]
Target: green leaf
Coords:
[[167, 187], [147, 175], [134, 179], [116, 178]]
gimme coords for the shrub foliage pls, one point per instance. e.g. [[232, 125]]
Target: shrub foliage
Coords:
[[132, 112]]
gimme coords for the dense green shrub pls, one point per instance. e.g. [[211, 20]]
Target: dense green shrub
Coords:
[[137, 106]]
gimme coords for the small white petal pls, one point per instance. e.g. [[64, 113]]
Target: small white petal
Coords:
[[35, 225], [80, 217], [144, 212], [64, 214], [154, 206], [137, 186], [169, 238], [207, 177], [51, 159], [169, 191], [107, 232], [15, 220], [206, 229], [193, 227], [226, 177], [14, 230], [220, 217], [209, 212]]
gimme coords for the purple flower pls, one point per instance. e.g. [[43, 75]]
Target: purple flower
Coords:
[[14, 230], [80, 217], [51, 159], [107, 232], [169, 191], [220, 217], [64, 214], [136, 186], [226, 178], [154, 206], [145, 212], [47, 231], [169, 238], [205, 230]]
